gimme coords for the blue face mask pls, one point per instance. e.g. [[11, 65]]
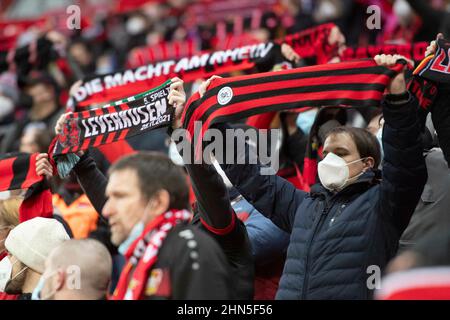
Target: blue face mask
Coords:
[[134, 234], [305, 120]]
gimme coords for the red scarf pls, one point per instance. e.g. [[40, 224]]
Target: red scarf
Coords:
[[134, 276], [413, 51], [353, 84], [92, 128]]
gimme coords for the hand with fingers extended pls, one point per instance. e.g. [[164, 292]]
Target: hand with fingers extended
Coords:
[[398, 83], [43, 166], [289, 54], [177, 98], [431, 49]]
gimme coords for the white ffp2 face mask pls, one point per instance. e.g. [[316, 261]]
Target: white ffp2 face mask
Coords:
[[334, 173]]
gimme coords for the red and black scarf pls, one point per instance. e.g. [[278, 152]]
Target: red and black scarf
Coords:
[[92, 128], [353, 84], [34, 56], [143, 254], [18, 171]]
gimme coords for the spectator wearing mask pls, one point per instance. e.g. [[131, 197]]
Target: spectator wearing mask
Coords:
[[76, 270], [351, 220], [167, 202], [28, 246], [431, 211]]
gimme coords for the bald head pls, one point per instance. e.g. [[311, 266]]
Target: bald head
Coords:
[[78, 269]]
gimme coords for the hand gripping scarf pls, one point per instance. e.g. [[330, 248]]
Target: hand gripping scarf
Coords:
[[436, 67], [432, 70], [133, 279], [18, 171], [352, 84]]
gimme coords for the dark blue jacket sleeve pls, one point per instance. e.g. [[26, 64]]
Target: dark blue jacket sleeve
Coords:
[[404, 170], [271, 195]]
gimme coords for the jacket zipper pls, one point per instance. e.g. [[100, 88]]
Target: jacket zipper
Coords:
[[316, 227]]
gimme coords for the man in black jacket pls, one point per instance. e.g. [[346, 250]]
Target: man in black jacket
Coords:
[[351, 222]]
